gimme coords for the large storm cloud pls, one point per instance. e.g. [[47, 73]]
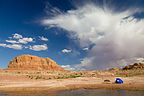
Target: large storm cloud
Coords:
[[117, 37]]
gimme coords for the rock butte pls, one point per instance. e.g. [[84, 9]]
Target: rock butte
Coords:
[[28, 62]]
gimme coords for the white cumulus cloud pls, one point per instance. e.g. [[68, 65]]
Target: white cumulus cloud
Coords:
[[13, 46], [19, 42], [66, 51], [2, 45], [17, 36], [11, 41], [43, 38], [39, 47], [85, 49], [140, 59], [25, 40], [117, 36], [67, 67], [19, 39]]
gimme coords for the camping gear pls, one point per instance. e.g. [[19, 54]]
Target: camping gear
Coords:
[[107, 81], [118, 81]]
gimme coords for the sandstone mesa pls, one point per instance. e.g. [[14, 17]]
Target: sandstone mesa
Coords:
[[29, 62]]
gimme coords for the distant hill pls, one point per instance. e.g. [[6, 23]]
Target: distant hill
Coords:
[[134, 66], [129, 67]]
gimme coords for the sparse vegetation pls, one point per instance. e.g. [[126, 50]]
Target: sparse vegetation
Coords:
[[54, 76], [133, 74], [6, 71], [39, 77], [37, 72], [66, 77], [18, 72], [21, 72], [130, 73], [48, 72], [30, 76], [74, 76]]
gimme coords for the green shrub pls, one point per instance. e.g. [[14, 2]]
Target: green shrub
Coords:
[[48, 72], [18, 72], [39, 77], [37, 72], [30, 76], [6, 71], [74, 76]]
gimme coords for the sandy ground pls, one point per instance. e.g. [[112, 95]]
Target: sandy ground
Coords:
[[19, 82]]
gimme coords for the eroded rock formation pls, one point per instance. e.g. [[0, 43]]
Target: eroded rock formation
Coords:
[[28, 62], [134, 66]]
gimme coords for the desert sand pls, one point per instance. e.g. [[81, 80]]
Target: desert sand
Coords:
[[28, 81]]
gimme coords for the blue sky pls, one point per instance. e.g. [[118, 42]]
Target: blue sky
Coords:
[[77, 34]]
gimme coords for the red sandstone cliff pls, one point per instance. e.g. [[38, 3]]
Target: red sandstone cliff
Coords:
[[28, 62]]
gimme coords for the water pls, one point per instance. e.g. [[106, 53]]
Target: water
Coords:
[[79, 92]]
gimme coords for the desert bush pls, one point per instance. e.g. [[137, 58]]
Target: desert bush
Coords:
[[39, 77], [37, 72], [21, 72], [48, 72], [30, 76], [6, 71], [18, 72]]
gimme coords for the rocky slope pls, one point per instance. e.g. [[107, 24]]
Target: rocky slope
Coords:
[[28, 62], [134, 66]]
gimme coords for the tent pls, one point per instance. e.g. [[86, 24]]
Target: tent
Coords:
[[118, 81]]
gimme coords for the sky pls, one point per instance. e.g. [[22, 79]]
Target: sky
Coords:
[[77, 34]]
